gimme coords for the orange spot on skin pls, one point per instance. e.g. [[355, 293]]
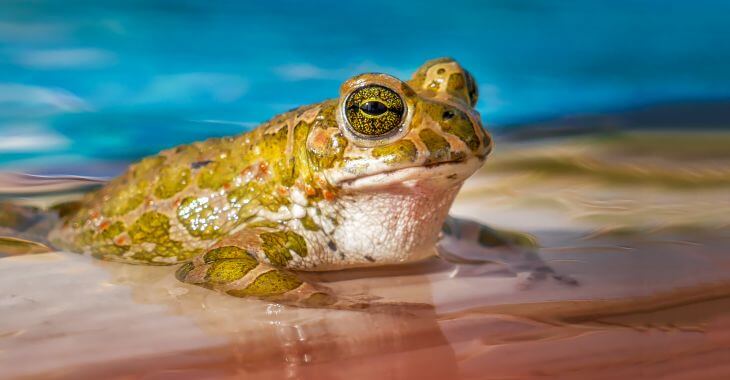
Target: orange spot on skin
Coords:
[[310, 191], [105, 224], [121, 240], [328, 195], [320, 140], [245, 171], [263, 169], [282, 191], [227, 186]]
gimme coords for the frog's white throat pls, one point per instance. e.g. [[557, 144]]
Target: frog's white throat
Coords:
[[396, 217]]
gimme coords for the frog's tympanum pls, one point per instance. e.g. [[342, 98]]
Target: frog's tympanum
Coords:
[[365, 179]]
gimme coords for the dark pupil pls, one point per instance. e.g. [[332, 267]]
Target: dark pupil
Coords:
[[374, 108]]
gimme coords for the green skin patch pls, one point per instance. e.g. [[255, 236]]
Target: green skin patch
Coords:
[[272, 148], [215, 175], [254, 194], [272, 283], [101, 243], [229, 270], [154, 227], [112, 231], [198, 218], [309, 224], [399, 152], [277, 246], [227, 252], [457, 86], [127, 199], [438, 148], [460, 126], [131, 189], [173, 179]]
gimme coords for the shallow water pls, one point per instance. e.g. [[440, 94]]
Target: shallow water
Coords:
[[645, 234]]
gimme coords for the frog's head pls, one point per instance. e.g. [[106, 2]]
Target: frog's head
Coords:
[[396, 130], [397, 153]]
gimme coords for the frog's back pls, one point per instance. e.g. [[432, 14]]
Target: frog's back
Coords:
[[168, 207]]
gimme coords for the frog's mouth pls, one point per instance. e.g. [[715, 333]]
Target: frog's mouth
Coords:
[[447, 172]]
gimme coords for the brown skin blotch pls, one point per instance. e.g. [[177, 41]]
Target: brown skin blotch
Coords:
[[200, 164]]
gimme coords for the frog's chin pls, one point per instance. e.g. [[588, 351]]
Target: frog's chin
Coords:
[[444, 173]]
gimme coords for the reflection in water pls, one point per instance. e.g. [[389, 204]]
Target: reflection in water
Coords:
[[272, 341], [651, 257]]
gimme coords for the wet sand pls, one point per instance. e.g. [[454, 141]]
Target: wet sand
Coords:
[[640, 220]]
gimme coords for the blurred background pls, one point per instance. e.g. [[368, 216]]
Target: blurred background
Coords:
[[88, 86]]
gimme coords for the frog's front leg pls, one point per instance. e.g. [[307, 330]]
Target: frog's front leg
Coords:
[[249, 263], [471, 244]]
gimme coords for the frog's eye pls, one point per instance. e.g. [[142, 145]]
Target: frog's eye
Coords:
[[374, 111]]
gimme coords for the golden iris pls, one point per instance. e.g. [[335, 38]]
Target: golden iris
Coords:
[[374, 110]]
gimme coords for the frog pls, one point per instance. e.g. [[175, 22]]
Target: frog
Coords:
[[362, 180]]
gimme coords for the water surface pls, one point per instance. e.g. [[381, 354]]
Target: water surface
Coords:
[[644, 234]]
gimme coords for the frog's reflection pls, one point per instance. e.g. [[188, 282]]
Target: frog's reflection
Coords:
[[401, 341]]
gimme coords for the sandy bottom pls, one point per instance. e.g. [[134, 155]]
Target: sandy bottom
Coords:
[[646, 235]]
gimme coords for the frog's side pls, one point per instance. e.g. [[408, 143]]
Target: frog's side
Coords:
[[343, 183]]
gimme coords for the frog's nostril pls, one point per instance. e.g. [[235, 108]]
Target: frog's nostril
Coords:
[[448, 114]]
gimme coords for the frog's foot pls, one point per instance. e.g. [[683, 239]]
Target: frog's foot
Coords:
[[472, 245], [234, 271], [236, 266]]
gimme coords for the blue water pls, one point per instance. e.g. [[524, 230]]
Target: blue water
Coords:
[[109, 81]]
